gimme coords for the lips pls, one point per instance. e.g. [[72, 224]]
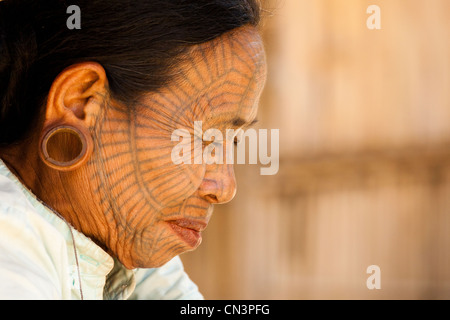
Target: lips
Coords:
[[188, 230]]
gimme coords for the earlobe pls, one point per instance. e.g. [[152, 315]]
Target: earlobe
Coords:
[[65, 148]]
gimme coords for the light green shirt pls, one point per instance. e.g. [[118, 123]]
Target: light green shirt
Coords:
[[42, 257]]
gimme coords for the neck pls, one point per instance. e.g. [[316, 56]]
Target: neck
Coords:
[[68, 193], [22, 161]]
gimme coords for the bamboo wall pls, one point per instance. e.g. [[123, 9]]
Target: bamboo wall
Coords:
[[364, 179]]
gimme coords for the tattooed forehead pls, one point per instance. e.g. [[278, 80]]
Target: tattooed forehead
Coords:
[[224, 75], [241, 46]]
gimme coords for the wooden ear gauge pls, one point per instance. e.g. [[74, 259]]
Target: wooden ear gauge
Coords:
[[65, 148]]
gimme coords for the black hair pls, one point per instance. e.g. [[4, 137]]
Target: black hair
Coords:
[[137, 42]]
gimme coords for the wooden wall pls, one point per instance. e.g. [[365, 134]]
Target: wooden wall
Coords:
[[364, 119]]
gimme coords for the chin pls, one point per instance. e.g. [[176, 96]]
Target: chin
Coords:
[[157, 259], [174, 238]]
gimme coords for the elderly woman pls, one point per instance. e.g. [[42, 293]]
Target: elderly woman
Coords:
[[91, 204]]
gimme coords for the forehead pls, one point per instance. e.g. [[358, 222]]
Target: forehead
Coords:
[[241, 49], [217, 82], [228, 73]]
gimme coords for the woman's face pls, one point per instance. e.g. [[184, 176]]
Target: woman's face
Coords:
[[155, 209]]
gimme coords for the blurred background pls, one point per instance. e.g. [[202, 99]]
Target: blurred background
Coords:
[[364, 176]]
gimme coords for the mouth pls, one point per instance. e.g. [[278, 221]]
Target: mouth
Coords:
[[188, 230]]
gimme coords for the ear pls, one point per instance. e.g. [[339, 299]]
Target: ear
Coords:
[[76, 95], [74, 100]]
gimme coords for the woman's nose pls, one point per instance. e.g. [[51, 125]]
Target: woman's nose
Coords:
[[219, 183]]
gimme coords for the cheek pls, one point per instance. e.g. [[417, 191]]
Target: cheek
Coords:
[[165, 182]]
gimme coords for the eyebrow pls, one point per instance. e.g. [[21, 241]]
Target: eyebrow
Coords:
[[239, 122]]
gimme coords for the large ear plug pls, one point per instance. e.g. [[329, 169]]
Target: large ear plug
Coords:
[[65, 148]]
